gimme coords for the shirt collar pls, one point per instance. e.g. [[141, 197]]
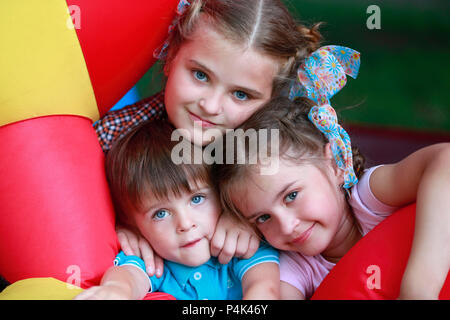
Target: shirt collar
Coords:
[[182, 273]]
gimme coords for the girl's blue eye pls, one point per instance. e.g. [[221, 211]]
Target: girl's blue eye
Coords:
[[197, 199], [160, 214], [241, 95], [291, 196], [200, 75], [262, 218]]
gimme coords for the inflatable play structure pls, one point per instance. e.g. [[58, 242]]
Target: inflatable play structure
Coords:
[[64, 64]]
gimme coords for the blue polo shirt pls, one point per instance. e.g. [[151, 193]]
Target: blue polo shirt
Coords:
[[210, 281]]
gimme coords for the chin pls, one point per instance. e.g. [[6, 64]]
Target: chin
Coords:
[[196, 261], [200, 142]]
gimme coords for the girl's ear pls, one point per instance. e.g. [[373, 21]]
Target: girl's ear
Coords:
[[327, 151], [166, 69], [338, 172]]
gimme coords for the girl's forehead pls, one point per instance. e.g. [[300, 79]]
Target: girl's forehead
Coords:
[[288, 170], [207, 36]]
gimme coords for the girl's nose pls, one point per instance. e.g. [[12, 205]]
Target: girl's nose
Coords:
[[288, 223], [211, 104]]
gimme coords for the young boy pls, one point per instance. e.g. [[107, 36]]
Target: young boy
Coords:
[[175, 208]]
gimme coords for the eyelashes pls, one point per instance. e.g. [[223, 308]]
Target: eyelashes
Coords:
[[203, 77], [290, 197], [200, 75], [161, 214]]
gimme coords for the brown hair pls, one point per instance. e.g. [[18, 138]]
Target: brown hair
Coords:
[[264, 25], [140, 164], [299, 141]]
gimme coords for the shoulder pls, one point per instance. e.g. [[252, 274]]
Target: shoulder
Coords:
[[367, 208], [303, 272], [264, 254], [150, 106], [116, 123]]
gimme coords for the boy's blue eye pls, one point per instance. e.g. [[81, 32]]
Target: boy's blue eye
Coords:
[[197, 199], [160, 214], [200, 75], [291, 196], [241, 95], [262, 218]]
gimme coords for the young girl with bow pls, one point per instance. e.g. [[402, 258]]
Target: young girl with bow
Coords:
[[320, 201]]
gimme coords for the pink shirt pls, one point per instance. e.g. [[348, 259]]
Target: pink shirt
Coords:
[[306, 272]]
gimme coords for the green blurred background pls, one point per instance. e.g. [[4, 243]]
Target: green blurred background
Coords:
[[404, 76]]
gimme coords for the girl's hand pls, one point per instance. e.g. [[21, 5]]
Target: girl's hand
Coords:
[[233, 238], [133, 244]]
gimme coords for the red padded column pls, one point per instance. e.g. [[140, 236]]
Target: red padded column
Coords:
[[56, 216]]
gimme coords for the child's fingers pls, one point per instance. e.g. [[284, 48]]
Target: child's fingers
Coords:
[[252, 247], [217, 242], [229, 248], [147, 256], [159, 265], [242, 246], [124, 243], [134, 244], [128, 242]]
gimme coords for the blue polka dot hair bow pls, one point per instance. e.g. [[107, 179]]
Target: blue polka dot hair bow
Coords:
[[161, 52], [319, 78]]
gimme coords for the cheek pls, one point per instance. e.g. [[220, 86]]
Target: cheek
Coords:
[[155, 233], [208, 216], [213, 219], [179, 89], [271, 234], [273, 238], [237, 114]]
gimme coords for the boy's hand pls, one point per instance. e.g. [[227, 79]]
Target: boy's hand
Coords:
[[135, 245], [104, 292], [233, 238]]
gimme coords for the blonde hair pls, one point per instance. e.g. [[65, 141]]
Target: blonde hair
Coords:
[[263, 25]]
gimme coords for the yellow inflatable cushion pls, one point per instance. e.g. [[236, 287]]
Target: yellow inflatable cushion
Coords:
[[40, 289]]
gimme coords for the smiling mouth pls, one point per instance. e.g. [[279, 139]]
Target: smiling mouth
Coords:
[[191, 243], [304, 235], [204, 123]]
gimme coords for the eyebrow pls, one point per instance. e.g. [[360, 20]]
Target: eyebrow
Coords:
[[163, 203], [279, 194], [152, 208], [252, 92]]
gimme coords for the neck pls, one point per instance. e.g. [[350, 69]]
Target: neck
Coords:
[[346, 237]]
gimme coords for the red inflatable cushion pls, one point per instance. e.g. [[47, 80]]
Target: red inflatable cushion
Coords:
[[57, 218], [374, 267]]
